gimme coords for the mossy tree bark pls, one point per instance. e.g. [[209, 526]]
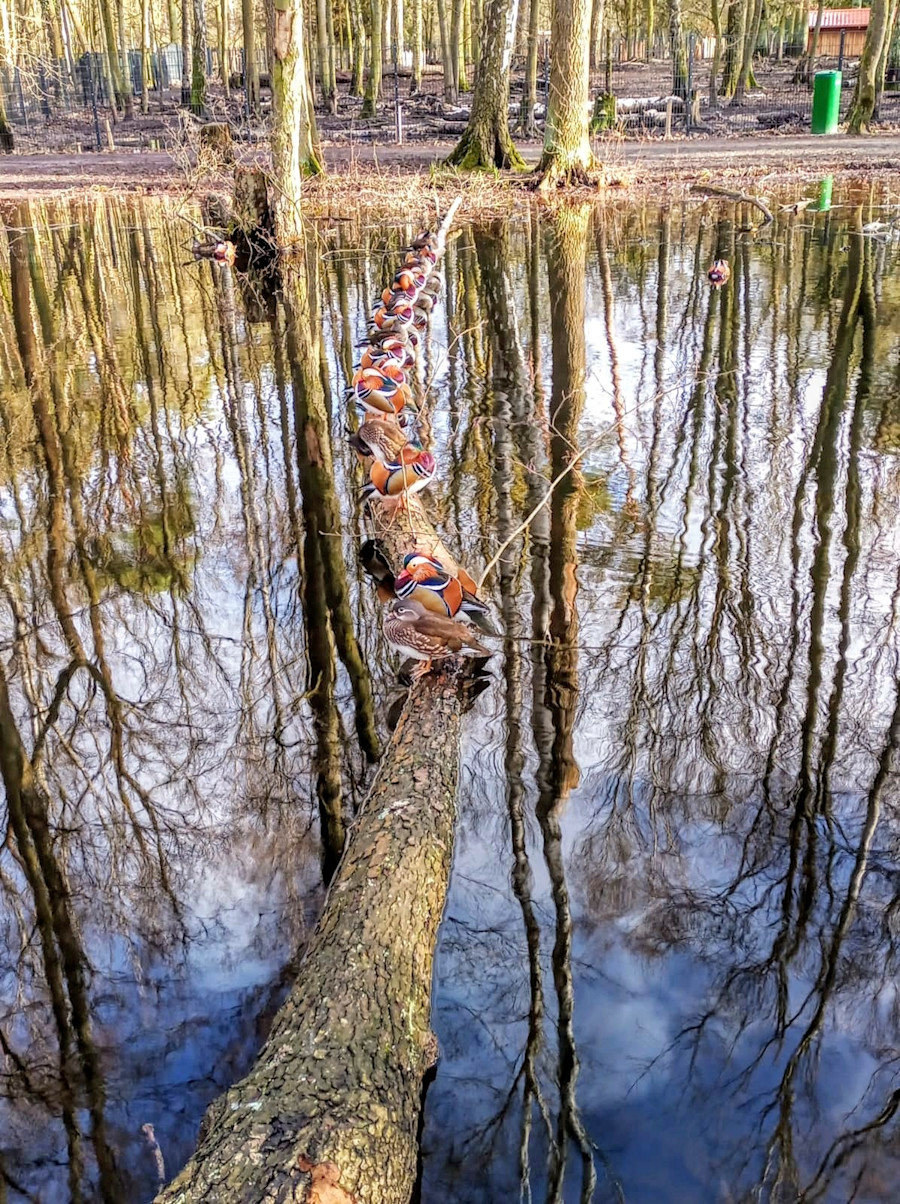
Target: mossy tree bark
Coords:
[[679, 49], [373, 83], [326, 64], [121, 83], [359, 49], [487, 142], [295, 144], [567, 156], [865, 94]]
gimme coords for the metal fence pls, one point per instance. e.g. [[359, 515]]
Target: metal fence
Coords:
[[58, 107]]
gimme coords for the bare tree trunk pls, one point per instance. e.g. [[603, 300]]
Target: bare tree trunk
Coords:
[[679, 50], [326, 81], [567, 153], [596, 35], [251, 70], [359, 48], [450, 92], [222, 42], [746, 78], [487, 142], [122, 97], [734, 42], [529, 95], [198, 60], [295, 143], [145, 55], [373, 84], [186, 52], [456, 46], [865, 94], [418, 48]]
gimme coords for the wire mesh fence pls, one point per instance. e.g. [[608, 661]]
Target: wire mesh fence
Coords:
[[66, 107]]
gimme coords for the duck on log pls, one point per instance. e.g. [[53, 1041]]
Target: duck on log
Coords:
[[329, 1113]]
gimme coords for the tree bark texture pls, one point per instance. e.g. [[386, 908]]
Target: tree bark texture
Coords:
[[186, 52], [295, 144], [251, 70], [450, 93], [198, 60], [678, 48], [376, 50], [567, 156], [339, 1080], [529, 94], [326, 77], [866, 92], [487, 142]]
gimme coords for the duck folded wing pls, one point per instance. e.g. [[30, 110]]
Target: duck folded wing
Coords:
[[454, 636]]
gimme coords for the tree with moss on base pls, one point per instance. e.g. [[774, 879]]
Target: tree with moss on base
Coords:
[[567, 157], [487, 142], [865, 95], [295, 141]]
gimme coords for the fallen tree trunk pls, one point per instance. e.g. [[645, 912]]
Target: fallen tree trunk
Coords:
[[329, 1113], [339, 1080]]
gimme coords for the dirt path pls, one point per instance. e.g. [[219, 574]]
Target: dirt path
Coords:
[[155, 171]]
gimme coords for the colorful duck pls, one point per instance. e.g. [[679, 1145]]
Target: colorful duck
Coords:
[[426, 637], [719, 273], [386, 442], [425, 581], [380, 390], [394, 483]]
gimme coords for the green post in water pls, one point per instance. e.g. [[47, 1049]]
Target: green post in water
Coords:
[[825, 188], [826, 105]]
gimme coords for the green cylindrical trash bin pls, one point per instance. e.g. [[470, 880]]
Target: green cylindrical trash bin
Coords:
[[826, 106]]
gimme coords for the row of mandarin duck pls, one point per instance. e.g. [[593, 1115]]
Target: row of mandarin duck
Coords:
[[427, 595]]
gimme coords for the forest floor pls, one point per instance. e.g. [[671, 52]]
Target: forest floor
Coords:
[[379, 174]]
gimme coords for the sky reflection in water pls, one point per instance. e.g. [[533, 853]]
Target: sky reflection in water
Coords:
[[668, 962]]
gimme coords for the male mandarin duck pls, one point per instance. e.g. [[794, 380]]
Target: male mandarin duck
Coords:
[[394, 483], [425, 581], [395, 353], [384, 441], [393, 319], [426, 637], [409, 282], [380, 390], [719, 273]]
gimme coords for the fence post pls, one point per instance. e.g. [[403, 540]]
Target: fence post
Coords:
[[840, 65]]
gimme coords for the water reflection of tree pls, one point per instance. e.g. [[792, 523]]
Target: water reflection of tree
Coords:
[[781, 925]]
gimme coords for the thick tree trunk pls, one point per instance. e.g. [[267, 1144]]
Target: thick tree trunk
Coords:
[[295, 144], [865, 94], [251, 70], [746, 77], [373, 83], [734, 45], [340, 1079], [487, 142], [567, 156]]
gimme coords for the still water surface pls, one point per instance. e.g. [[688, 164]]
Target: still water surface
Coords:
[[668, 968]]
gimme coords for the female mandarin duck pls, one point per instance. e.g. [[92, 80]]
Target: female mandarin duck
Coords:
[[719, 273], [394, 483], [425, 637], [384, 441], [425, 581], [380, 390]]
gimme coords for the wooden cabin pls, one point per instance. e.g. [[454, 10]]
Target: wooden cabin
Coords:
[[851, 22]]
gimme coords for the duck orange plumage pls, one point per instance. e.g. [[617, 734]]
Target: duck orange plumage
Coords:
[[379, 391], [398, 481]]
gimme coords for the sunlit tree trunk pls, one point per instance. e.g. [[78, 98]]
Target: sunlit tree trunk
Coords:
[[716, 13], [865, 93], [567, 153], [326, 73], [222, 45], [295, 147], [450, 93], [359, 48], [456, 45], [251, 70], [145, 55], [679, 50], [487, 141], [198, 60], [746, 78], [7, 138], [418, 48], [529, 94], [734, 43], [121, 86], [598, 12], [476, 23], [373, 83]]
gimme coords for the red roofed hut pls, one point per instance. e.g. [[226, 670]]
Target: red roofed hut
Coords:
[[852, 23]]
